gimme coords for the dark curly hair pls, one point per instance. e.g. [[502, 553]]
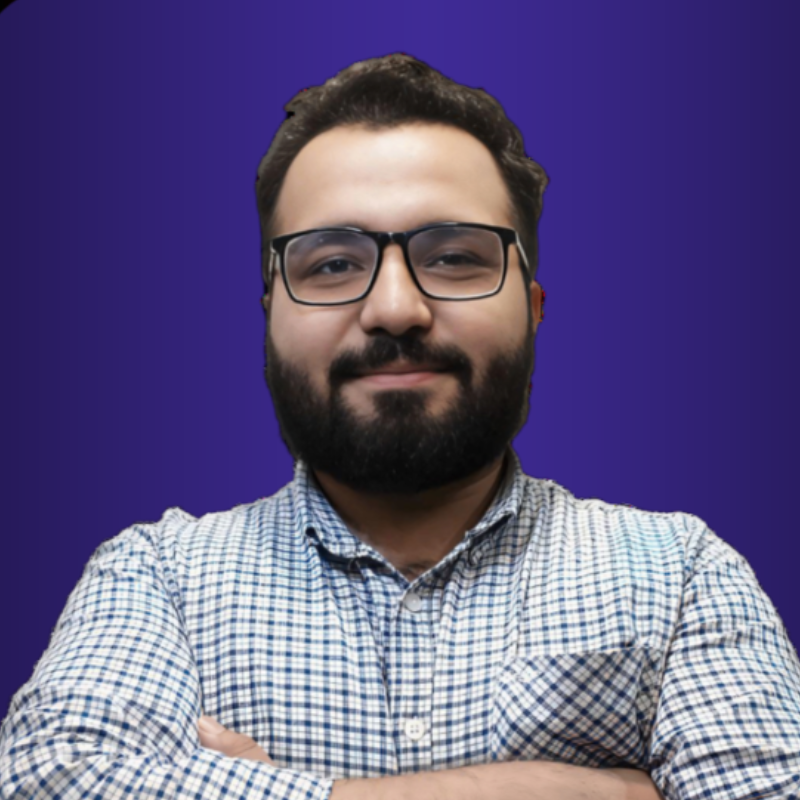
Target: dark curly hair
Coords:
[[386, 92]]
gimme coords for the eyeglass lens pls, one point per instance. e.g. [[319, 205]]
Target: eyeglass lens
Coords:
[[452, 262]]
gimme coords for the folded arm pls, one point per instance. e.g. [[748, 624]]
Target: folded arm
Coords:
[[523, 780], [112, 705], [518, 780], [728, 720]]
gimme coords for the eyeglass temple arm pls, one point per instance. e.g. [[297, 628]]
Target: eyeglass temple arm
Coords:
[[271, 269], [522, 253]]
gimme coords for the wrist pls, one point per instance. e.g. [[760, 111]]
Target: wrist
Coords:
[[508, 780], [462, 783]]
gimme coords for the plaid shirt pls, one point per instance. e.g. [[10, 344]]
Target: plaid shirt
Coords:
[[560, 629]]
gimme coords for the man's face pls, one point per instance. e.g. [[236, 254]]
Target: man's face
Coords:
[[388, 438]]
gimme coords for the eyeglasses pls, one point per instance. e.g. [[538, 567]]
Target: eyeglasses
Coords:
[[447, 261]]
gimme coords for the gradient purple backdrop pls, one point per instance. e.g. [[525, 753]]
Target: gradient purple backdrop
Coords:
[[132, 335]]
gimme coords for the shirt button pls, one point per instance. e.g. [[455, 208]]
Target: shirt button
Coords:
[[413, 602], [414, 728]]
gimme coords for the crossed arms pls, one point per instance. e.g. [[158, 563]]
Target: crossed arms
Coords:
[[99, 717], [533, 780]]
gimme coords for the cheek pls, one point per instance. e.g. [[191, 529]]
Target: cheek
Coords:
[[307, 338], [499, 328]]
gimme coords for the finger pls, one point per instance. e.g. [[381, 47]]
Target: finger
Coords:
[[230, 743]]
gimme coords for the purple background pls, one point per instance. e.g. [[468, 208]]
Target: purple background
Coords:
[[132, 335]]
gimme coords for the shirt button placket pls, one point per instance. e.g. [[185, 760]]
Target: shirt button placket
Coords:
[[416, 666]]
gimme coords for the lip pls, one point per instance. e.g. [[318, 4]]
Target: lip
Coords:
[[400, 376]]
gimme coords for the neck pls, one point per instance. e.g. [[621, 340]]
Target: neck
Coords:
[[414, 532]]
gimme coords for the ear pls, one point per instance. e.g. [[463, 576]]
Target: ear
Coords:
[[537, 304], [266, 279]]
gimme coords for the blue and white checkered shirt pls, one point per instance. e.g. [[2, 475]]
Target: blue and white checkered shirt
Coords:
[[559, 629]]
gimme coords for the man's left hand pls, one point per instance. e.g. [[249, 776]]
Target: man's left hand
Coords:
[[230, 743]]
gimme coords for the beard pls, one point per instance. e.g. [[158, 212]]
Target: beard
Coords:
[[402, 448]]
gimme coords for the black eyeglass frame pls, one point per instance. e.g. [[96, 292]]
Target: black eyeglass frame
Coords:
[[507, 236]]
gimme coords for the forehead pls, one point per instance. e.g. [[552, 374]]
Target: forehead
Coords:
[[392, 179]]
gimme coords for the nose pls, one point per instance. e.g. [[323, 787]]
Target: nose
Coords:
[[395, 304]]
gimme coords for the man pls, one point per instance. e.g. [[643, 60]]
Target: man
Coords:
[[412, 615]]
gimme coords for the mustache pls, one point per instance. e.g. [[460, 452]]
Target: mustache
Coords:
[[384, 349]]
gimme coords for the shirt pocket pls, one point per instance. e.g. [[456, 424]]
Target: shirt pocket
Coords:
[[590, 709]]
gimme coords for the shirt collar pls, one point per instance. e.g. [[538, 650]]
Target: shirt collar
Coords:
[[316, 519]]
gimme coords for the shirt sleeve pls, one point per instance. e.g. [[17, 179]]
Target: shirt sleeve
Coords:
[[112, 706], [728, 719]]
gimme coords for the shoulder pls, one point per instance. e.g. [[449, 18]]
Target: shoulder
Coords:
[[624, 573], [180, 542], [626, 534]]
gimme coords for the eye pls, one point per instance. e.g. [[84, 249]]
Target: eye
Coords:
[[454, 260], [333, 266]]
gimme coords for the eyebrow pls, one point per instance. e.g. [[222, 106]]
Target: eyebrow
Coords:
[[360, 226]]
